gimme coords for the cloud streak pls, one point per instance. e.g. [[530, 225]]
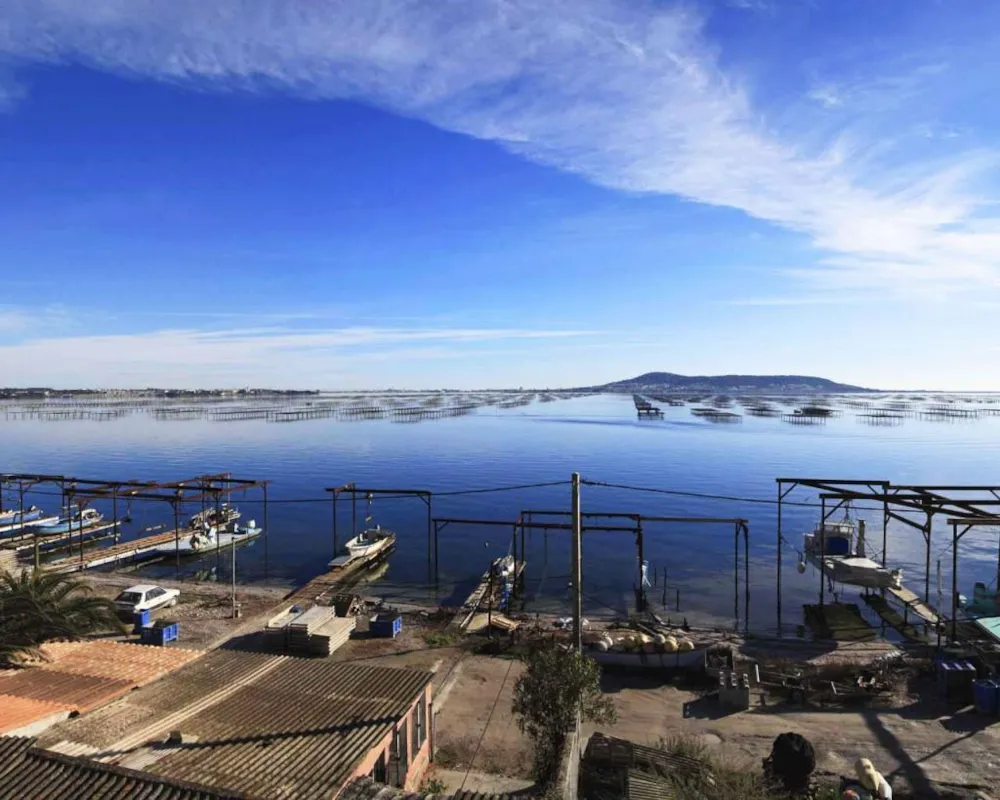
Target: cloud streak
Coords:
[[351, 357], [629, 95]]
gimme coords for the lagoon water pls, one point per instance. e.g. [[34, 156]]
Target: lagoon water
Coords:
[[597, 436]]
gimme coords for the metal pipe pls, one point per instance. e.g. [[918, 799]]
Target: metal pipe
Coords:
[[177, 531], [641, 596], [954, 581], [333, 507], [885, 530], [736, 576], [576, 556], [780, 547], [267, 527], [822, 551], [746, 578], [927, 557]]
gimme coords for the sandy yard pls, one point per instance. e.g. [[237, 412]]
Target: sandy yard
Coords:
[[205, 609], [914, 743]]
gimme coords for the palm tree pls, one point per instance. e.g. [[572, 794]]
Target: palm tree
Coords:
[[37, 607]]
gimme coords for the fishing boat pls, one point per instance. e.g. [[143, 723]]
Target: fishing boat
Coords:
[[838, 548], [202, 541], [71, 523], [222, 519], [367, 545], [369, 542], [15, 516]]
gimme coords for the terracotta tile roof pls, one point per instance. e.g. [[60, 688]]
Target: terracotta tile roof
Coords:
[[27, 772], [16, 712]]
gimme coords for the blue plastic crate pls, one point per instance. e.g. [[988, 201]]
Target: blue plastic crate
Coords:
[[986, 696], [140, 619], [159, 635], [386, 627]]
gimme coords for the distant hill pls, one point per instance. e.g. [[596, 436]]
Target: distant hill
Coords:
[[728, 384]]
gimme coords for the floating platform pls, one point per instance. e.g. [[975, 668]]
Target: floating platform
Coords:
[[134, 550], [65, 541], [839, 621]]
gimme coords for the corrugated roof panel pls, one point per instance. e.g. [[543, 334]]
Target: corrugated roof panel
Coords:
[[80, 692], [16, 712], [27, 772], [136, 663]]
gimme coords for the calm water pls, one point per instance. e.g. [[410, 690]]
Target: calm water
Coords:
[[596, 436]]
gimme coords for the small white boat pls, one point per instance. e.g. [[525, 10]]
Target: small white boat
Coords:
[[369, 542], [838, 548]]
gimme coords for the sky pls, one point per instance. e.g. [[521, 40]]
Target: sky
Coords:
[[498, 193]]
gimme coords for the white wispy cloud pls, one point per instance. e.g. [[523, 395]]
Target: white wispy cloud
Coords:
[[248, 356], [629, 94]]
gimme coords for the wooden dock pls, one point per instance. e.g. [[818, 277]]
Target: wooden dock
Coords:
[[65, 541], [893, 618], [480, 594], [131, 551], [911, 602], [337, 578]]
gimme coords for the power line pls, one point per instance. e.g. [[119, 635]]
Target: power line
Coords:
[[705, 496]]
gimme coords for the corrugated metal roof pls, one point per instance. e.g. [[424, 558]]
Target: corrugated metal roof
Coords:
[[28, 772], [269, 726], [16, 712], [299, 730]]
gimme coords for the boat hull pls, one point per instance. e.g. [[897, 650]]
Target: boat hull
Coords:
[[223, 540], [854, 571]]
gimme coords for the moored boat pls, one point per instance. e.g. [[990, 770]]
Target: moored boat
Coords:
[[369, 542], [207, 541], [222, 519], [15, 516], [71, 523], [838, 548]]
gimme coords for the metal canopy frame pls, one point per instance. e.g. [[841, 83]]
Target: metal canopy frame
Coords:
[[201, 487], [896, 500], [424, 494], [519, 525], [740, 526], [967, 524]]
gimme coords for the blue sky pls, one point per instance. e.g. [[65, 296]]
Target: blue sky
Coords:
[[515, 192]]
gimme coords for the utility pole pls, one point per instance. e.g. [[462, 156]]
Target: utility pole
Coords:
[[577, 566]]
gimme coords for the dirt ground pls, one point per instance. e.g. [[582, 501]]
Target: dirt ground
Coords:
[[205, 609], [916, 745]]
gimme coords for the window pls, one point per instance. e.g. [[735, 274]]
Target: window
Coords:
[[420, 724], [404, 757], [379, 771]]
